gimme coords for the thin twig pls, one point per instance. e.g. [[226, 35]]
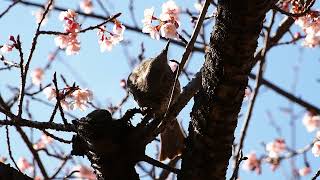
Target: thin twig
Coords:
[[56, 138], [26, 67], [188, 49], [9, 149], [33, 151], [133, 17], [9, 7], [83, 30], [39, 125], [60, 167], [160, 164], [65, 121]]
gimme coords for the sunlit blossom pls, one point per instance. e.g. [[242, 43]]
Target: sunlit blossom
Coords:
[[86, 6], [311, 121], [23, 164], [148, 16], [252, 163], [168, 21], [50, 92], [6, 48], [169, 31], [43, 142], [171, 8], [37, 76], [80, 99], [276, 147]]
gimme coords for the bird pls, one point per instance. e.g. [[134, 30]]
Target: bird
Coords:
[[151, 84]]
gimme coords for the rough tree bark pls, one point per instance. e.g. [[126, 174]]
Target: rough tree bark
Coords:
[[228, 63]]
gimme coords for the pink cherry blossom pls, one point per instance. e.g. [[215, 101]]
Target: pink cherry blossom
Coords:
[[23, 164], [316, 149], [118, 29], [6, 48], [169, 31], [50, 92], [310, 24], [69, 14], [168, 21], [170, 8], [84, 173], [43, 142], [252, 163], [276, 147], [311, 121], [153, 31], [73, 48], [115, 39], [86, 6], [148, 16], [38, 15], [80, 98], [65, 104], [304, 171], [37, 76], [71, 26], [61, 41], [106, 44], [70, 41]]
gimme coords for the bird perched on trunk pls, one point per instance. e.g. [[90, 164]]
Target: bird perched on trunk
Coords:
[[151, 84]]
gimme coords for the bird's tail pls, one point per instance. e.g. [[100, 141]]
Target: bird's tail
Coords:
[[172, 141]]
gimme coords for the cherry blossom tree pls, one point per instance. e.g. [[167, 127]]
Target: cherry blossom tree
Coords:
[[65, 109]]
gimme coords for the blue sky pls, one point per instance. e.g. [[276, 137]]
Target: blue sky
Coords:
[[102, 72]]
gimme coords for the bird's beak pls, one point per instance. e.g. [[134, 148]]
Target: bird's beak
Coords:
[[164, 52]]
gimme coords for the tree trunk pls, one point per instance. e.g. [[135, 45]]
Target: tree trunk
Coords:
[[228, 62]]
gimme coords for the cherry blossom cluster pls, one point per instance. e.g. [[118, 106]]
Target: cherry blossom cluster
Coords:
[[86, 6], [108, 39], [274, 149], [310, 24], [168, 21], [70, 97], [70, 41], [10, 45]]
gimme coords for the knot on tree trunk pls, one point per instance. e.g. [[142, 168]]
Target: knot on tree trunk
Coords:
[[113, 146]]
